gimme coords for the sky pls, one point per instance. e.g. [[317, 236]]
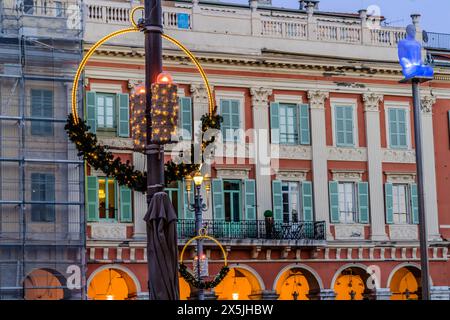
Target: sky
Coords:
[[435, 13]]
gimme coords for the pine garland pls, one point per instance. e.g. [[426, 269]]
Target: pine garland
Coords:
[[202, 284], [100, 158]]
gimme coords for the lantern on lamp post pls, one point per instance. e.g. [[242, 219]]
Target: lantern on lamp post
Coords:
[[164, 112]]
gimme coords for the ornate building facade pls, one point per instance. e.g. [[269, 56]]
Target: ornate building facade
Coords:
[[317, 129]]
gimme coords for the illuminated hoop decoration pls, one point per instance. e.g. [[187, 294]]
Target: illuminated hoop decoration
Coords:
[[192, 280], [136, 28], [99, 156]]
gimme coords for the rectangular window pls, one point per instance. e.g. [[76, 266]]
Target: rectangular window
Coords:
[[291, 201], [288, 124], [232, 200], [58, 9], [347, 203], [344, 126], [28, 6], [41, 107], [400, 208], [397, 128], [106, 111], [107, 199], [42, 191], [230, 111]]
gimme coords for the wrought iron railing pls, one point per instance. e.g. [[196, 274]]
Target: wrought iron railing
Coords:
[[438, 41], [255, 229]]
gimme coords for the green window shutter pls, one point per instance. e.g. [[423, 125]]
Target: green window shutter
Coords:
[[307, 201], [275, 122], [397, 128], [188, 214], [41, 107], [124, 115], [35, 196], [180, 198], [277, 200], [393, 130], [414, 204], [186, 117], [235, 115], [250, 199], [218, 201], [91, 111], [363, 202], [126, 210], [334, 201], [92, 198], [344, 126], [304, 132], [389, 203]]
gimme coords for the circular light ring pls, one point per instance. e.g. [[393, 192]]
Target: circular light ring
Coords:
[[204, 236], [135, 28]]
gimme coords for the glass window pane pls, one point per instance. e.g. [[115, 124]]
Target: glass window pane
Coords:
[[111, 199], [102, 198]]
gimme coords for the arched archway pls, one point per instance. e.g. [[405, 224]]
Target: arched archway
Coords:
[[185, 288], [404, 283], [297, 282], [239, 284], [112, 283], [45, 284], [349, 282]]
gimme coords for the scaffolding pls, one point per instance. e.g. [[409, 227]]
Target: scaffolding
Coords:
[[42, 224]]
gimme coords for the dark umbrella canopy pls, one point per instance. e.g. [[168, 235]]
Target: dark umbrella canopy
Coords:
[[162, 249]]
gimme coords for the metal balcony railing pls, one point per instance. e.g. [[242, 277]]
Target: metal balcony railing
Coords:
[[438, 41], [256, 229]]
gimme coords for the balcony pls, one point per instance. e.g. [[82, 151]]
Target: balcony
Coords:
[[239, 29], [257, 229], [438, 41]]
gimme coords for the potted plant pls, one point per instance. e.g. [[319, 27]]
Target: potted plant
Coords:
[[268, 215]]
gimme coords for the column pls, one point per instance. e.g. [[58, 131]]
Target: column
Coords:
[[200, 106], [375, 159], [256, 17], [140, 201], [262, 149], [429, 169], [319, 157]]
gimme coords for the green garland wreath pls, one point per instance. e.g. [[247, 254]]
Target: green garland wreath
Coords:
[[100, 158], [202, 284]]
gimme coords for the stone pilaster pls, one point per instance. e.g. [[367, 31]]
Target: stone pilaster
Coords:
[[262, 149], [319, 157], [429, 170], [375, 159]]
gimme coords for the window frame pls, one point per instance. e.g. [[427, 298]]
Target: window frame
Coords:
[[338, 102], [408, 205], [116, 200], [239, 192], [398, 105], [233, 95], [299, 201], [36, 130], [355, 211], [114, 127], [36, 206], [295, 107]]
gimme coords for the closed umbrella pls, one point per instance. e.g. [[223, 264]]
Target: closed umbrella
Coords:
[[162, 248]]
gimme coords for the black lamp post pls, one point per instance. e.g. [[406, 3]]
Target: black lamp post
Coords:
[[198, 207], [415, 72]]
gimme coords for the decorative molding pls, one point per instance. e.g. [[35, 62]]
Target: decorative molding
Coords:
[[232, 173], [260, 96], [317, 99], [106, 87], [399, 156], [108, 231], [199, 93], [372, 101], [347, 154], [349, 232], [288, 98], [400, 177], [116, 142], [297, 152], [403, 232], [426, 103], [347, 175], [291, 174]]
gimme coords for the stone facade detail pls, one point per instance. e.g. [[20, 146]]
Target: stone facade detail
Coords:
[[401, 177], [199, 93], [317, 99], [349, 231], [372, 101], [108, 231], [347, 154], [291, 152], [260, 96], [293, 175], [399, 156], [427, 102], [403, 232], [233, 173], [347, 175]]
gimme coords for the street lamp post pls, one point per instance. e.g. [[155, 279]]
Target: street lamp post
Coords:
[[416, 72], [198, 207]]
